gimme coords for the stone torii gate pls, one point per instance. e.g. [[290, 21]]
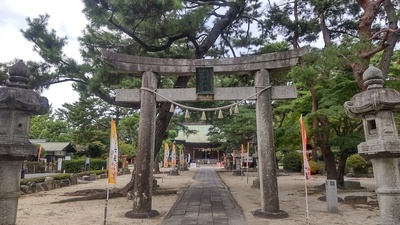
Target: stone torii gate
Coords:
[[149, 68]]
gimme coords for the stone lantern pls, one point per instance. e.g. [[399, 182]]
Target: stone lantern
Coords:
[[17, 105], [382, 145]]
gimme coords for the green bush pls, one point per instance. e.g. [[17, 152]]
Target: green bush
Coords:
[[317, 167], [37, 167], [292, 161], [59, 176], [36, 180], [357, 164], [78, 165]]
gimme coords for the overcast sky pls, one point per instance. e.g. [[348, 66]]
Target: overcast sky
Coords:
[[65, 17]]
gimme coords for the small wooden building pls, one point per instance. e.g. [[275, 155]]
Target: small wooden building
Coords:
[[55, 150]]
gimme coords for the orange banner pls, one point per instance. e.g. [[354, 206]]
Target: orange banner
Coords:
[[166, 154], [40, 152], [307, 168], [173, 155], [113, 156]]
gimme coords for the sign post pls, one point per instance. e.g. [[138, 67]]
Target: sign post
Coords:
[[331, 196]]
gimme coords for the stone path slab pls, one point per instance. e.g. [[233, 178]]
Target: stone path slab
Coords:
[[207, 201]]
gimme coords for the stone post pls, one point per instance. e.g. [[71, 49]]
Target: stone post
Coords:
[[266, 151], [17, 105], [228, 165], [142, 196], [382, 145]]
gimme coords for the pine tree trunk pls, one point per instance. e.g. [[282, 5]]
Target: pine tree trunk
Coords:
[[342, 166], [330, 164]]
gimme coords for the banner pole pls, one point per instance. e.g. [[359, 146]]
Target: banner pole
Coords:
[[305, 187], [248, 156], [306, 164], [106, 206], [112, 164]]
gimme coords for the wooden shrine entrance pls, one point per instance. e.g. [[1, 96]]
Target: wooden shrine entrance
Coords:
[[149, 95]]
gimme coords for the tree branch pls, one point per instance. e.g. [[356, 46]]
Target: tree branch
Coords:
[[64, 80], [229, 44], [369, 54], [386, 31], [208, 2], [392, 37], [150, 48], [236, 9]]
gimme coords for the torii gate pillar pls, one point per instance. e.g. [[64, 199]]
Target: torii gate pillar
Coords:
[[142, 196], [266, 151]]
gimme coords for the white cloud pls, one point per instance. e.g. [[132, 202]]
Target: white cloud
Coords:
[[66, 18]]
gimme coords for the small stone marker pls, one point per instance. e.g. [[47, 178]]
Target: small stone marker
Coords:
[[331, 196]]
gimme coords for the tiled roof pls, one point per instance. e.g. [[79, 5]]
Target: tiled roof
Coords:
[[56, 146]]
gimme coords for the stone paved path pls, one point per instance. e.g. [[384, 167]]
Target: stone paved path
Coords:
[[206, 201]]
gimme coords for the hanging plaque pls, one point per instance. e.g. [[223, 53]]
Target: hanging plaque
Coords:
[[204, 80]]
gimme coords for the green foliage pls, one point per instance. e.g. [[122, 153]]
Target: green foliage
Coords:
[[317, 167], [38, 167], [41, 179], [48, 45], [357, 164], [274, 47], [327, 84], [48, 127], [78, 165], [97, 149], [36, 180], [90, 118], [292, 161], [279, 20], [128, 128], [236, 129], [61, 176], [287, 131], [126, 149]]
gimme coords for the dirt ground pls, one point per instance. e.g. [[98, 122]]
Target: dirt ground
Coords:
[[292, 199], [37, 209]]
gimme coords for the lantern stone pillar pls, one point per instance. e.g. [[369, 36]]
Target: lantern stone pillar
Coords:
[[382, 145], [17, 105]]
